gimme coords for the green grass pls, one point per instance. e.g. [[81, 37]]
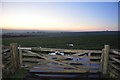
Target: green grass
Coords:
[[80, 42], [20, 74]]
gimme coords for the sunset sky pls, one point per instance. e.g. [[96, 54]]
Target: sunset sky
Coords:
[[64, 16]]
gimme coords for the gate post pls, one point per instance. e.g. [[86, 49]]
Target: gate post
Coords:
[[105, 59], [20, 55], [0, 61], [15, 56]]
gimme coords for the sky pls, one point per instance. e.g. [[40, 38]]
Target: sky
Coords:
[[60, 16]]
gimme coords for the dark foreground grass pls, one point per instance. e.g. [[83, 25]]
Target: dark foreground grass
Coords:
[[80, 42], [20, 74]]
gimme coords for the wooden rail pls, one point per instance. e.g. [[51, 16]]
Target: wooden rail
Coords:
[[114, 63], [61, 50]]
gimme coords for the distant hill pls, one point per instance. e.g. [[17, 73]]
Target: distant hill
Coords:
[[24, 33]]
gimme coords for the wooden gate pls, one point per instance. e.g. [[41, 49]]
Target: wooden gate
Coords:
[[33, 59]]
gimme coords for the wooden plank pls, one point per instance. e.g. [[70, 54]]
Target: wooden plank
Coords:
[[77, 54], [24, 48], [5, 50], [83, 66], [114, 66], [94, 71], [62, 58], [32, 59], [63, 71], [88, 57], [26, 54], [34, 64], [114, 59], [66, 50], [81, 57], [115, 52], [116, 56], [102, 61], [91, 62], [8, 62], [7, 56], [113, 71], [48, 70]]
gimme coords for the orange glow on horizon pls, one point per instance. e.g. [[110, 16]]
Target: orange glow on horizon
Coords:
[[57, 28]]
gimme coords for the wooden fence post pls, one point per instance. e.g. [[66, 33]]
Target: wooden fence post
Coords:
[[101, 61], [15, 56], [0, 61], [105, 59], [20, 55]]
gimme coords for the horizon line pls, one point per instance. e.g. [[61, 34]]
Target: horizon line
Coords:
[[58, 30]]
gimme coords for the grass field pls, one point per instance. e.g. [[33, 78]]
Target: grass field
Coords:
[[80, 42]]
